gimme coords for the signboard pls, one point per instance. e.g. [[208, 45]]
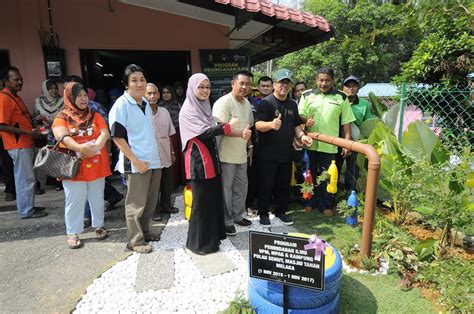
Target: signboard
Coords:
[[220, 65], [284, 259]]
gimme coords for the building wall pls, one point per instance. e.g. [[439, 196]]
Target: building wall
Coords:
[[88, 24]]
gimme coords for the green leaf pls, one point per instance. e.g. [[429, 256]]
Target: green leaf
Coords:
[[390, 117], [378, 107], [439, 154], [424, 210], [425, 249], [368, 126], [419, 141]]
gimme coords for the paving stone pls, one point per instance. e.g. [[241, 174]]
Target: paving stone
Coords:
[[241, 243], [155, 271], [212, 264]]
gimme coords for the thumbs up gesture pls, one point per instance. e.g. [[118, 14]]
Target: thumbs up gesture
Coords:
[[234, 122], [276, 123], [246, 133], [310, 121]]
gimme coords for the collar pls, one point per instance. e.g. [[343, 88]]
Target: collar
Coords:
[[332, 91], [356, 102], [133, 101]]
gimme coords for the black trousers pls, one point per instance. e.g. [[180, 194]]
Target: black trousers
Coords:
[[352, 171], [166, 186], [252, 187], [7, 169], [318, 162], [274, 180]]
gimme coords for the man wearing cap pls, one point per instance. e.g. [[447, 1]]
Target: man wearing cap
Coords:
[[278, 123], [323, 110], [362, 111]]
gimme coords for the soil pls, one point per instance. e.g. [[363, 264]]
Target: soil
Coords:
[[431, 294]]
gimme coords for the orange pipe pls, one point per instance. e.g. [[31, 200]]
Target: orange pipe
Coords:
[[370, 189]]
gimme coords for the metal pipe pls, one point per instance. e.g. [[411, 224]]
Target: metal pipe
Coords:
[[370, 188]]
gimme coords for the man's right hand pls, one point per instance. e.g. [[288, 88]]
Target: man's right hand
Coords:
[[310, 121], [276, 123], [141, 166], [35, 133]]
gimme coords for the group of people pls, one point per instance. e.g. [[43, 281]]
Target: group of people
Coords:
[[235, 152]]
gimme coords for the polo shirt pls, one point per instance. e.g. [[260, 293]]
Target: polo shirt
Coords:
[[277, 145], [362, 110], [133, 123], [329, 111], [232, 150], [13, 113]]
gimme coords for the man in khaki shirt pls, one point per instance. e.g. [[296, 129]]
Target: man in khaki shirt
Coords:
[[234, 149]]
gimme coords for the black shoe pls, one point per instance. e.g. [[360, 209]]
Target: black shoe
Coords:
[[157, 217], [87, 222], [285, 219], [10, 197], [230, 230], [35, 214], [171, 210], [244, 222], [39, 208], [39, 191], [111, 203], [265, 221]]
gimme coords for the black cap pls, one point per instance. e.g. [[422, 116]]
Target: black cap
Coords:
[[351, 78]]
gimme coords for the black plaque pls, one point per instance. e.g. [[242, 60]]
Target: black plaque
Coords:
[[283, 259]]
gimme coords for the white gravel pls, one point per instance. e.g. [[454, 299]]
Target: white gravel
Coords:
[[191, 293]]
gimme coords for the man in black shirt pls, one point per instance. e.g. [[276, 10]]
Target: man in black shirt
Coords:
[[278, 123]]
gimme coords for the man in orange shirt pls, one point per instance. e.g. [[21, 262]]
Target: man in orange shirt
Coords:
[[18, 135]]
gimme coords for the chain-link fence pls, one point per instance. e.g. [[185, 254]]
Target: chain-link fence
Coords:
[[447, 111]]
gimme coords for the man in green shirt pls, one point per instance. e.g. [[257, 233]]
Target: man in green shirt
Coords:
[[323, 110], [362, 111]]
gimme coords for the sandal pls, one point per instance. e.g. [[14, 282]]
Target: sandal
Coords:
[[73, 241], [101, 233], [143, 249]]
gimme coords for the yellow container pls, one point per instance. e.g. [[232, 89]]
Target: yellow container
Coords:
[[332, 185], [188, 201]]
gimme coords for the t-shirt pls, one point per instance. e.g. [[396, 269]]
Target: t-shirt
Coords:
[[277, 145], [163, 130], [362, 110], [232, 150], [132, 122], [94, 167], [329, 111], [13, 113]]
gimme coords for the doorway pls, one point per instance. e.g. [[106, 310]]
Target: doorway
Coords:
[[102, 68]]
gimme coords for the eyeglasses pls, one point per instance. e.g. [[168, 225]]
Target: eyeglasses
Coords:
[[200, 87]]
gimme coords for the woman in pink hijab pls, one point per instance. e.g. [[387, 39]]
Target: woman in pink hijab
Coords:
[[198, 133]]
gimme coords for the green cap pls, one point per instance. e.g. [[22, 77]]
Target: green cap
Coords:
[[282, 74]]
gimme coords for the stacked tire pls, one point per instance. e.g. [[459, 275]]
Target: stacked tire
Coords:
[[267, 296]]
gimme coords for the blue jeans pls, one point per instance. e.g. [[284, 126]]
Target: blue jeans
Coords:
[[25, 181], [77, 194]]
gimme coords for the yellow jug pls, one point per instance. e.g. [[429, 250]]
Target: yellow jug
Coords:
[[188, 201], [332, 185]]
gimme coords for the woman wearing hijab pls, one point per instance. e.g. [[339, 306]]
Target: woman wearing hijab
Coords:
[[169, 102], [179, 89], [85, 132], [198, 132], [47, 107]]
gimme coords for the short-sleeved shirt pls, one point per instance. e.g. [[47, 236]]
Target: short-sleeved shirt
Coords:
[[277, 145], [13, 113], [362, 110], [233, 150], [163, 130], [329, 110], [133, 122], [94, 167]]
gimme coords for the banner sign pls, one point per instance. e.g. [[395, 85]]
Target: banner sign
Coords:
[[286, 259], [220, 65]]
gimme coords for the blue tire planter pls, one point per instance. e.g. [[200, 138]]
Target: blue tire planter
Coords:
[[301, 298], [262, 306]]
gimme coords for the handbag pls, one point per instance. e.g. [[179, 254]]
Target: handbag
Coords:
[[56, 163]]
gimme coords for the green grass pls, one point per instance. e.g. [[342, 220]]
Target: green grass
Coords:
[[360, 293]]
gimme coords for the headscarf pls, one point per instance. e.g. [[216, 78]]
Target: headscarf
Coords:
[[48, 103], [195, 116], [71, 113]]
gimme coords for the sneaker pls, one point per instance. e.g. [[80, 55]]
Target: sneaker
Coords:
[[285, 219], [251, 212], [244, 222], [230, 230], [10, 197], [265, 221], [35, 214], [157, 217], [39, 191], [112, 202]]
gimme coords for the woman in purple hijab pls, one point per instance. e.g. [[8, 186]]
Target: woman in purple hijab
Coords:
[[198, 133]]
